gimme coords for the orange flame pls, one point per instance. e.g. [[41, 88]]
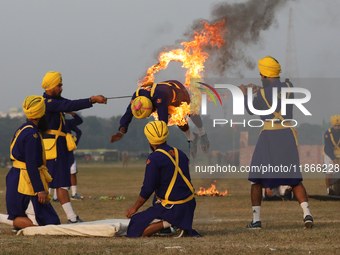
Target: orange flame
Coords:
[[212, 191], [179, 116], [193, 58]]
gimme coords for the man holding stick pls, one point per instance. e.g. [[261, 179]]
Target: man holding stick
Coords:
[[56, 144]]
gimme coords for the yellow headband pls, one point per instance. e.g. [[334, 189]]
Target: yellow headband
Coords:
[[51, 79], [156, 132], [141, 107], [34, 107], [335, 120], [269, 67]]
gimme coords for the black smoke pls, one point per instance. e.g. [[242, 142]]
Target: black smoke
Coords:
[[244, 22]]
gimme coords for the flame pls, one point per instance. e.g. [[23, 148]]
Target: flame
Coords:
[[193, 58], [179, 117], [212, 191]]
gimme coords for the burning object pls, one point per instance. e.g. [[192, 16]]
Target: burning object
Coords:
[[193, 58], [212, 191]]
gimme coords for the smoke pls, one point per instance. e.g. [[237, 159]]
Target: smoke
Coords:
[[244, 22]]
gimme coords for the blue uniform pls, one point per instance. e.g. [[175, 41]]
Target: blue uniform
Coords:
[[329, 146], [276, 148], [71, 125], [163, 97], [59, 168], [28, 149], [158, 174]]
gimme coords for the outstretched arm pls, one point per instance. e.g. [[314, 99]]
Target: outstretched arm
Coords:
[[124, 123], [119, 135], [98, 99], [65, 105]]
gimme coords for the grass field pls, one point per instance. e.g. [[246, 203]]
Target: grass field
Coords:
[[220, 220]]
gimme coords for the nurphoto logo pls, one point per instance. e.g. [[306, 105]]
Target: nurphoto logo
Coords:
[[239, 98]]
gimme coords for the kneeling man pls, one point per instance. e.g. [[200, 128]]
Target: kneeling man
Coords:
[[27, 198], [166, 174]]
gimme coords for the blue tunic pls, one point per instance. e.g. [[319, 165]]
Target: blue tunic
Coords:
[[329, 146], [158, 175], [59, 168], [275, 148], [28, 149], [163, 97], [71, 125]]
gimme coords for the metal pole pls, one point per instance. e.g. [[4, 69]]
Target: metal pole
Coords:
[[118, 97]]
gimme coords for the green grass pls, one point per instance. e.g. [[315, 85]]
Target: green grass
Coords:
[[220, 220]]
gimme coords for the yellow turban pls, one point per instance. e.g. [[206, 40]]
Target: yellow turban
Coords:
[[335, 120], [141, 107], [51, 79], [269, 67], [156, 132], [34, 107]]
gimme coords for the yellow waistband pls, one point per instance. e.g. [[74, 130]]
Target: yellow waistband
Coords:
[[55, 132], [269, 125], [277, 126], [168, 202], [337, 153], [19, 164], [25, 186]]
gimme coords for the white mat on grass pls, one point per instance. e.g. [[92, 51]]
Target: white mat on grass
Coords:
[[103, 228]]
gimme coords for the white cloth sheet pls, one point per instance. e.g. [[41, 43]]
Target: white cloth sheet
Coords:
[[103, 228]]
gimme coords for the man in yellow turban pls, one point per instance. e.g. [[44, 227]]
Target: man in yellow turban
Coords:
[[332, 153], [277, 144], [175, 204], [27, 197], [55, 139], [163, 97]]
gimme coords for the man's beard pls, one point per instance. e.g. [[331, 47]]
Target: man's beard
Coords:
[[58, 96], [43, 125], [153, 150], [266, 82]]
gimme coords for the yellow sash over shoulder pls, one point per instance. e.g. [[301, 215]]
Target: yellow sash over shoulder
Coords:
[[25, 186], [336, 147], [166, 200], [277, 115]]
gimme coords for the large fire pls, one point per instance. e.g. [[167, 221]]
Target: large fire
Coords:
[[179, 116], [212, 191], [193, 58]]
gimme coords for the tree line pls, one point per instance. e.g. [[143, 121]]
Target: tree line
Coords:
[[96, 133]]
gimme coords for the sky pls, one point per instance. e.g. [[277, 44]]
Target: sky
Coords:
[[105, 47]]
